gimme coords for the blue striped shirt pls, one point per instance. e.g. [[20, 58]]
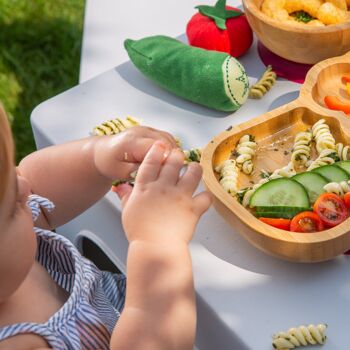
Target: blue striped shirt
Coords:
[[95, 301]]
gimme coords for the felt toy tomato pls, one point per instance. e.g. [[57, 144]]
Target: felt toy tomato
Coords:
[[220, 28]]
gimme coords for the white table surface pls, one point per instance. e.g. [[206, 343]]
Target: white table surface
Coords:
[[244, 295]]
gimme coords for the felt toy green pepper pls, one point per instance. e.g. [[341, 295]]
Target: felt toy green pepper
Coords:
[[210, 78]]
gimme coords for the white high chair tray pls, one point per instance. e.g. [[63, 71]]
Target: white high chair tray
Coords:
[[244, 295]]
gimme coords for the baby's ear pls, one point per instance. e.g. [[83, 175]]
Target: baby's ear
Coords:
[[123, 191]]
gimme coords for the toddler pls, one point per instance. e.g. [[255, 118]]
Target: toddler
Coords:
[[53, 298]]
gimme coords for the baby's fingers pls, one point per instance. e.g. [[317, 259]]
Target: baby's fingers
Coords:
[[123, 191], [170, 171], [151, 165], [202, 201], [190, 179]]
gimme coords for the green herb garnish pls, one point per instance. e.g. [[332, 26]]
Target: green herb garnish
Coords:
[[334, 156], [265, 174], [302, 16], [240, 194]]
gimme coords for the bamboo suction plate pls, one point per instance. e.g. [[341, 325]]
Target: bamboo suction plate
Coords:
[[274, 133]]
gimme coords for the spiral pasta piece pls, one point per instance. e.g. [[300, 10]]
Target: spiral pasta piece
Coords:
[[264, 84], [245, 151], [300, 336], [326, 157], [130, 181], [228, 171], [115, 126], [302, 148], [192, 155], [343, 151], [286, 171], [322, 135], [339, 188]]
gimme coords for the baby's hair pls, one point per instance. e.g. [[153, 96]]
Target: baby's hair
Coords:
[[6, 152]]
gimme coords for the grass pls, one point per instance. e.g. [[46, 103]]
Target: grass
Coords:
[[40, 45]]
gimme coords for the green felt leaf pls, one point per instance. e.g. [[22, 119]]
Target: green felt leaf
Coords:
[[218, 13]]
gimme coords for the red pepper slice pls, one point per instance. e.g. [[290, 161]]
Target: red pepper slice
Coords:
[[345, 78], [283, 224], [334, 103]]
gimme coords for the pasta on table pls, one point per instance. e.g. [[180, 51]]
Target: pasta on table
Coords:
[[300, 336]]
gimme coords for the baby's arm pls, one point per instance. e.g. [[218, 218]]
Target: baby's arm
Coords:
[[159, 217], [75, 175]]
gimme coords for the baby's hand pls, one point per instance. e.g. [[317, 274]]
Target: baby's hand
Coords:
[[117, 156], [161, 206]]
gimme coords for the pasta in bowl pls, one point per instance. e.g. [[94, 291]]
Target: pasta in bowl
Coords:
[[298, 30], [293, 146]]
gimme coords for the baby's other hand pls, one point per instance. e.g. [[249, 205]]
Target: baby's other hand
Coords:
[[161, 206], [117, 156]]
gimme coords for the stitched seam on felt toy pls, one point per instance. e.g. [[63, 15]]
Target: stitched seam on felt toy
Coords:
[[141, 54], [228, 81], [243, 79]]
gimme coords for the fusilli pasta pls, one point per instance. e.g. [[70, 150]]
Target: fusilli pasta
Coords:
[[228, 176], [322, 136], [327, 156], [245, 151], [343, 151], [300, 336], [192, 155], [115, 126], [264, 84], [130, 181], [339, 188], [286, 171], [302, 148]]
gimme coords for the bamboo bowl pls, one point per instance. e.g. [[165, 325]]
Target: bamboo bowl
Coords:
[[308, 45], [274, 133]]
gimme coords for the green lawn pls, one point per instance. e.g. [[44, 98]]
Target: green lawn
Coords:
[[40, 44]]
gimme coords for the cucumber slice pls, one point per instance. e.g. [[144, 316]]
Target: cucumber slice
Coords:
[[313, 183], [282, 192], [279, 212], [332, 173], [345, 165]]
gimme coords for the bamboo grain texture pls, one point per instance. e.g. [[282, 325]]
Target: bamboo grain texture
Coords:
[[274, 133]]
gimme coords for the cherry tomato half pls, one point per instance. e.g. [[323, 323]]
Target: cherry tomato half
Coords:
[[346, 199], [331, 209], [283, 224], [306, 221]]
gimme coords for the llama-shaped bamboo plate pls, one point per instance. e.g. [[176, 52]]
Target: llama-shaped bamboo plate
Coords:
[[274, 133]]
